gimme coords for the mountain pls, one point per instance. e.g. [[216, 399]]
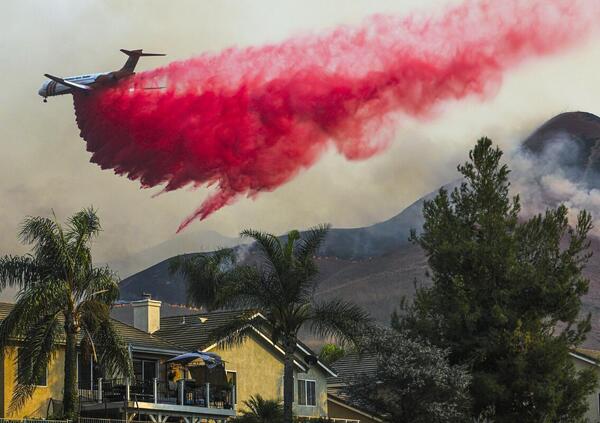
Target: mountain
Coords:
[[199, 241], [376, 266]]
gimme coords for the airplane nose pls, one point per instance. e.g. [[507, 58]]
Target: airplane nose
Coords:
[[42, 91]]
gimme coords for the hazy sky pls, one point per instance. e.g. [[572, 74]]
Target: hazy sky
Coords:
[[44, 165]]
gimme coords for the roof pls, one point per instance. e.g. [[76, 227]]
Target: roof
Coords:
[[191, 332], [137, 338], [352, 365], [345, 402]]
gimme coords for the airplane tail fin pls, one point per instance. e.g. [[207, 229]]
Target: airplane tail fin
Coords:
[[134, 56]]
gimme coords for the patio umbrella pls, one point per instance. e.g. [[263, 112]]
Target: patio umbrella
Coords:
[[210, 359]]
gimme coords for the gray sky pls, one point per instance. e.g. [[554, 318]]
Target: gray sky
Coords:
[[44, 165]]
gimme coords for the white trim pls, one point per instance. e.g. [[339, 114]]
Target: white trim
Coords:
[[268, 340], [156, 350], [584, 359], [331, 398], [326, 368]]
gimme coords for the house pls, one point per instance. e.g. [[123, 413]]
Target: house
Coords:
[[164, 391], [587, 358], [341, 408]]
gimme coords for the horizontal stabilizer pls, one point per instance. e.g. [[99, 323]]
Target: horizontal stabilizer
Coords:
[[140, 52], [73, 85]]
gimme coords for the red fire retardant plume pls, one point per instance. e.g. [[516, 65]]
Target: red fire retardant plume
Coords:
[[248, 120]]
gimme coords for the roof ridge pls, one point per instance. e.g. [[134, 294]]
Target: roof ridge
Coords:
[[207, 313]]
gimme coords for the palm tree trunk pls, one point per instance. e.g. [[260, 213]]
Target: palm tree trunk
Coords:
[[288, 383], [70, 389]]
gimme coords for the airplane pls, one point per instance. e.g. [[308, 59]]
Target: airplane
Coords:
[[86, 83]]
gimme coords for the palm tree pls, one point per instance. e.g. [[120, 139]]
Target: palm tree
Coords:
[[62, 298], [261, 410], [280, 285]]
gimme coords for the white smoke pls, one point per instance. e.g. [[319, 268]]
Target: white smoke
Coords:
[[556, 176]]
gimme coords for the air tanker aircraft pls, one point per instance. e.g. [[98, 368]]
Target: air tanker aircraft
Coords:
[[85, 83]]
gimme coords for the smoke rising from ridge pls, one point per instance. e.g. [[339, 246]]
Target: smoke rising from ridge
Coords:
[[249, 120], [551, 178]]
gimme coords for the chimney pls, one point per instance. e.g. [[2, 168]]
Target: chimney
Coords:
[[146, 314]]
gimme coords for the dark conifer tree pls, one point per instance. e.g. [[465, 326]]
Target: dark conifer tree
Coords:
[[506, 295]]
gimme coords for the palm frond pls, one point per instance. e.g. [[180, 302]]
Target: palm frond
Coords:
[[49, 246], [42, 299], [98, 284], [204, 274], [112, 351], [85, 225], [311, 242], [39, 347], [339, 319], [263, 410], [269, 246], [18, 271]]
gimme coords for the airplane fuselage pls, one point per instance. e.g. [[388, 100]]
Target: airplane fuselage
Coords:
[[52, 88], [54, 85]]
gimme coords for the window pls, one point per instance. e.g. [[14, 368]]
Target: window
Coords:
[[307, 392], [84, 371], [232, 381], [144, 370], [21, 364]]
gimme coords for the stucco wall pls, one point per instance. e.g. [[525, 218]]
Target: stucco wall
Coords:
[[320, 392], [260, 371], [37, 406]]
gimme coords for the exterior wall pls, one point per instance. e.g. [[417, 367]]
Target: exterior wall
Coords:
[[320, 392], [593, 413], [37, 406], [337, 411], [260, 371]]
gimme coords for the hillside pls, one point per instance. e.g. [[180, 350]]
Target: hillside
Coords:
[[376, 266]]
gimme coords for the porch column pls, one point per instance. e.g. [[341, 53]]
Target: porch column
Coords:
[[208, 394], [233, 397], [155, 391], [127, 389], [181, 385], [100, 389]]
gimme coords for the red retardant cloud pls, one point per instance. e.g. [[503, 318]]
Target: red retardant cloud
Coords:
[[248, 120]]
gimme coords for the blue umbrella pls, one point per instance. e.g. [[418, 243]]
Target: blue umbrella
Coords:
[[211, 360]]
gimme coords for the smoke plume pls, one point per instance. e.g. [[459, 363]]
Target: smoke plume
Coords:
[[248, 120], [552, 177]]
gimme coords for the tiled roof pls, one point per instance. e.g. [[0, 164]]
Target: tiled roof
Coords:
[[131, 335], [192, 332], [351, 366]]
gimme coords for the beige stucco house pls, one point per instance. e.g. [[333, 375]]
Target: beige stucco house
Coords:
[[163, 391]]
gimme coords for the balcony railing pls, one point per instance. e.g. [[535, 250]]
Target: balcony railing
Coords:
[[182, 392]]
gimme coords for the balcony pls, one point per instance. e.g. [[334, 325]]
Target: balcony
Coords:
[[181, 398]]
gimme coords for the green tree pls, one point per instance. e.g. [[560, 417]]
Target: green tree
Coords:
[[413, 381], [330, 353], [506, 295], [62, 297], [260, 410], [280, 284]]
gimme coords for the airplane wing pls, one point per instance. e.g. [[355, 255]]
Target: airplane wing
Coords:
[[73, 85]]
